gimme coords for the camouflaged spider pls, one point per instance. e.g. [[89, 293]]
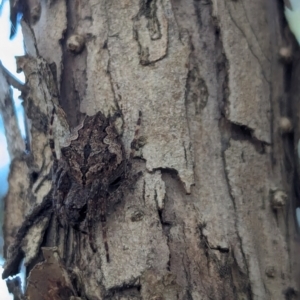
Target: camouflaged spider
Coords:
[[90, 171]]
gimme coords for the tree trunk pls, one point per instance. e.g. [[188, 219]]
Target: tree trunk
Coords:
[[199, 198]]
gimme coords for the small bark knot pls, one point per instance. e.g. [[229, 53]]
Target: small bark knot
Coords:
[[75, 43], [35, 13], [137, 216], [279, 199], [285, 125], [286, 54], [270, 271]]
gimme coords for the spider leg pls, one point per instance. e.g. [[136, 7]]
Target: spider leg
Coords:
[[61, 183], [135, 143], [91, 232], [90, 209], [118, 174], [97, 203], [104, 227], [91, 228]]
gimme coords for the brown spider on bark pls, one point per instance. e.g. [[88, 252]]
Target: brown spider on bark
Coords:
[[91, 171]]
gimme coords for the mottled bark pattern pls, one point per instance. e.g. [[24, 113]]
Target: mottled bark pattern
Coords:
[[212, 215]]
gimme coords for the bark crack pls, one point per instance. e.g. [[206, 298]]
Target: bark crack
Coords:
[[261, 49], [38, 213], [236, 221], [249, 45], [241, 132]]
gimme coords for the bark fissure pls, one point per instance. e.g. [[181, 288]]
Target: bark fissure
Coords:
[[236, 225], [70, 99], [199, 120], [253, 31], [250, 48]]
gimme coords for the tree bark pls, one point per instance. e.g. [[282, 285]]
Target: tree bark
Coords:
[[213, 214]]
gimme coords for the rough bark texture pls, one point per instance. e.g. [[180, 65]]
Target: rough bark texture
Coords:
[[212, 217]]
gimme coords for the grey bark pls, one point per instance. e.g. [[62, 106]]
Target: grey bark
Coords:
[[213, 216]]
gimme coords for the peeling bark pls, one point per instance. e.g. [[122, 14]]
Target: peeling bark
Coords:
[[213, 216]]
